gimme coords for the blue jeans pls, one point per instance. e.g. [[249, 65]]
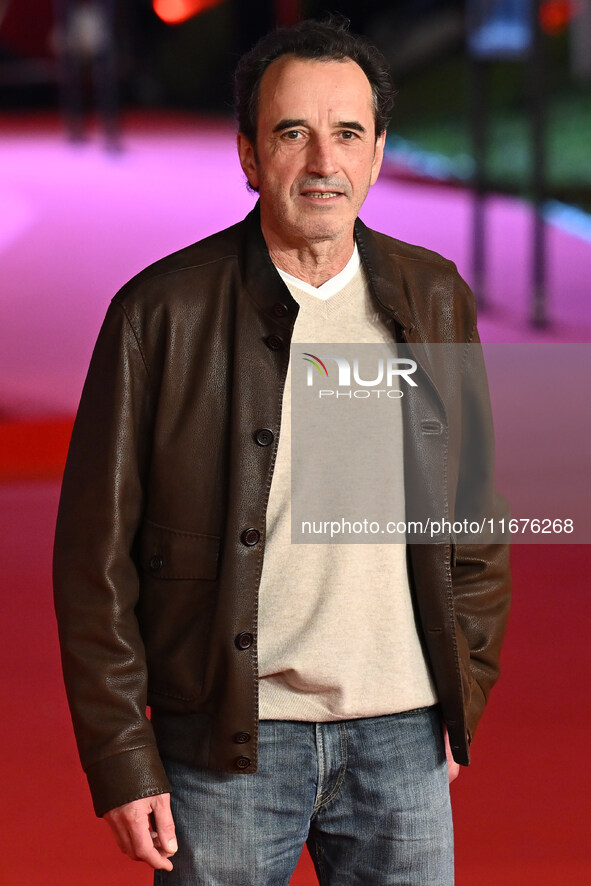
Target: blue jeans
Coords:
[[370, 797]]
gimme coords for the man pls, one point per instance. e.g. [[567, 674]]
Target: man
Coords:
[[296, 692]]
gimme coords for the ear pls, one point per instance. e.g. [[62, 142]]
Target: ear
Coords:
[[246, 153], [378, 157]]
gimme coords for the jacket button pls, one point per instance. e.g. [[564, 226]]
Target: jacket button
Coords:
[[242, 762], [244, 640], [156, 563], [280, 310], [250, 537], [264, 436], [242, 737], [275, 342]]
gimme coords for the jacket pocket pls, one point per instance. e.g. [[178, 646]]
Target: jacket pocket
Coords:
[[174, 554], [175, 608]]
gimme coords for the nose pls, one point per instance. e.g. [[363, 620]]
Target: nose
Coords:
[[321, 156]]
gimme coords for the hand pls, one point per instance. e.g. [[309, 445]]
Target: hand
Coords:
[[453, 768], [135, 836]]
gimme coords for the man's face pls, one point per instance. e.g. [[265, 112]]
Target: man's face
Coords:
[[316, 152]]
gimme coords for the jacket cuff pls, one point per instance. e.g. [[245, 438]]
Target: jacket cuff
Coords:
[[130, 775]]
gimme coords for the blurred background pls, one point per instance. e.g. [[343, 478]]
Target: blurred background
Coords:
[[493, 94], [181, 54], [117, 147]]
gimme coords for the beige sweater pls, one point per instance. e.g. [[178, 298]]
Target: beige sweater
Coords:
[[337, 632]]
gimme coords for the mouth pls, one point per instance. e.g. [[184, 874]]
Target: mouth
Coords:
[[321, 195]]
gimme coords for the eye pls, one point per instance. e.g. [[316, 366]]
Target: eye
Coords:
[[348, 134], [291, 135]]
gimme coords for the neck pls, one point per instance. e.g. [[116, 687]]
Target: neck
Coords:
[[314, 263]]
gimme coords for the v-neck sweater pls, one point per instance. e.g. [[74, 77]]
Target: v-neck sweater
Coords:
[[337, 632]]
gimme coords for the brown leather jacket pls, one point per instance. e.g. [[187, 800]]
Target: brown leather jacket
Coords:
[[161, 527]]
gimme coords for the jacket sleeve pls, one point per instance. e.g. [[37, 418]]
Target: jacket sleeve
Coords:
[[481, 578], [96, 582]]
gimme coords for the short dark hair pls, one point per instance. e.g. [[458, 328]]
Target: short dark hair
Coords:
[[328, 40]]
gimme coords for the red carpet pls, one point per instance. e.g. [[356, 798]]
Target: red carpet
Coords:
[[34, 449], [522, 809]]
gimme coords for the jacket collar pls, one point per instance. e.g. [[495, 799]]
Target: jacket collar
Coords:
[[264, 285], [388, 286], [385, 277]]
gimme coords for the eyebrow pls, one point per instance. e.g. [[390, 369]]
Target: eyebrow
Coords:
[[351, 124], [288, 124], [342, 124]]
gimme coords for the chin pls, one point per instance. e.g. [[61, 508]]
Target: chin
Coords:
[[323, 227], [325, 232]]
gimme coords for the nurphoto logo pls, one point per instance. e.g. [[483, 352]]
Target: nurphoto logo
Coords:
[[386, 372]]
